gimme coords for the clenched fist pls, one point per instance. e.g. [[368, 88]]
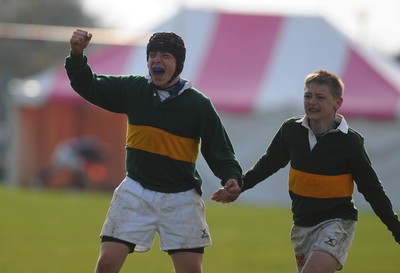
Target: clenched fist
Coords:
[[79, 41]]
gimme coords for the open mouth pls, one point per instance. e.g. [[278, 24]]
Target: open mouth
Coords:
[[158, 71]]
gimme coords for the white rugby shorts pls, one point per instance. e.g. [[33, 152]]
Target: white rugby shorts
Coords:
[[333, 236], [136, 214]]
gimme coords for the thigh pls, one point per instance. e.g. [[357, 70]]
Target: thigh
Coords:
[[112, 257], [130, 218], [320, 262], [182, 222], [187, 262], [333, 237]]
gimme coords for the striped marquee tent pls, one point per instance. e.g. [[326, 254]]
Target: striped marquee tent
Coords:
[[247, 62], [253, 66]]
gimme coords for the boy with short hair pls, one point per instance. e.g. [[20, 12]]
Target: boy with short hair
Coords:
[[326, 157]]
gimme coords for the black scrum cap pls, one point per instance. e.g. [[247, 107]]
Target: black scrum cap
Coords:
[[168, 42]]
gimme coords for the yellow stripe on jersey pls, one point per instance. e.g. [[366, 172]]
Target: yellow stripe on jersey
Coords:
[[320, 186], [153, 140]]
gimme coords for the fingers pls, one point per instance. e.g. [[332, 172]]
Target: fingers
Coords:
[[228, 194], [79, 40], [221, 196], [232, 186], [81, 37], [218, 196]]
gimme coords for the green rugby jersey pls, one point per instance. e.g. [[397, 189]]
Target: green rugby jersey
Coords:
[[163, 139], [321, 173]]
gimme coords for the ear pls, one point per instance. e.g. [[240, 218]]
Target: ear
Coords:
[[339, 103]]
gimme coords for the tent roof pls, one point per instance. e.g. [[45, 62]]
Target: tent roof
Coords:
[[253, 63]]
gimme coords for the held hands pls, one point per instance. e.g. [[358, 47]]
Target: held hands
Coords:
[[79, 41], [229, 193]]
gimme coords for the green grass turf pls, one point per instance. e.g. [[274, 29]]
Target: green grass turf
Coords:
[[57, 232]]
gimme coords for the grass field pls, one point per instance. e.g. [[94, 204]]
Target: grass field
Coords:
[[57, 232]]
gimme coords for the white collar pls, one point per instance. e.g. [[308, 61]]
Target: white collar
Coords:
[[343, 126]]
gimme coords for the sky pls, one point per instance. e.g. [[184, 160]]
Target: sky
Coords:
[[373, 23]]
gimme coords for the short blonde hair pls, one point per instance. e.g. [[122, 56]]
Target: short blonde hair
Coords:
[[324, 77]]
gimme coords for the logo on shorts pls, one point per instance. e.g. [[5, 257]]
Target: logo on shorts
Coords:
[[205, 233], [331, 241], [300, 260]]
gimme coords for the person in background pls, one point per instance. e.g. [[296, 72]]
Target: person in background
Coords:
[[326, 157], [169, 122], [76, 163]]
